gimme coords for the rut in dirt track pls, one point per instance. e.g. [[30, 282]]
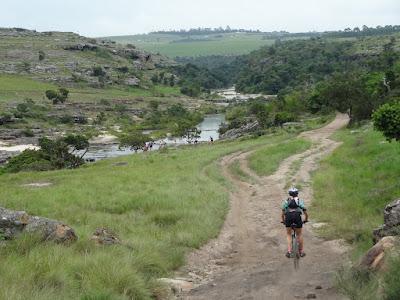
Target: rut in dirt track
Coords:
[[247, 259]]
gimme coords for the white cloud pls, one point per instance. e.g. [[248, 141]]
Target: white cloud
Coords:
[[102, 17]]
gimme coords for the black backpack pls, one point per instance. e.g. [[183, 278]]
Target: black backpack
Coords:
[[292, 203]]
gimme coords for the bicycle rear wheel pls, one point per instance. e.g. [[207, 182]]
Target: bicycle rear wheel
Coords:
[[295, 251]]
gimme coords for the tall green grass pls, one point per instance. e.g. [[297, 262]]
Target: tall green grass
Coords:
[[351, 189], [266, 160], [353, 185], [161, 205]]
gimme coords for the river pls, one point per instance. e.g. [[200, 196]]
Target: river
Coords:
[[209, 129]]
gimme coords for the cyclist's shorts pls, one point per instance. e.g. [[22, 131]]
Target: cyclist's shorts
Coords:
[[293, 218]]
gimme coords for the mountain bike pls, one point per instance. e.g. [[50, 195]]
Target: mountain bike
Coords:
[[295, 254]]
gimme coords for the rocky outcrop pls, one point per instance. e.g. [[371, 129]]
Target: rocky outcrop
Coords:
[[13, 223], [374, 259], [238, 132], [132, 81], [81, 47], [391, 226]]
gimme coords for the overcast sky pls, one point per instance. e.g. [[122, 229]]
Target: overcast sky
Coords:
[[120, 17]]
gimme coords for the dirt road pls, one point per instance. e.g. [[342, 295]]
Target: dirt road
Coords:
[[247, 260]]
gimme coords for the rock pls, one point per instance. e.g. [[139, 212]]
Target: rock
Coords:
[[318, 287], [391, 226], [318, 225], [375, 257], [132, 81], [12, 223], [104, 236], [177, 286], [238, 132], [311, 296], [81, 47]]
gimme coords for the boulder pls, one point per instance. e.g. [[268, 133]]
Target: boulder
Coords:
[[374, 259], [177, 285], [132, 81], [238, 132], [391, 226], [13, 223]]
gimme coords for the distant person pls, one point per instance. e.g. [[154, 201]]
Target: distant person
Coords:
[[292, 209], [211, 139]]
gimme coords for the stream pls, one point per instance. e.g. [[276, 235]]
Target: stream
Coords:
[[209, 128]]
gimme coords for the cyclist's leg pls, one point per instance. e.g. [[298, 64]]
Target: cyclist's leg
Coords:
[[289, 238], [299, 233]]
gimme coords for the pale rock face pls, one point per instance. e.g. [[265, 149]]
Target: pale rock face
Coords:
[[391, 226], [374, 259]]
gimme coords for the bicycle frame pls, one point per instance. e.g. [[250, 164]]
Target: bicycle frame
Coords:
[[295, 248]]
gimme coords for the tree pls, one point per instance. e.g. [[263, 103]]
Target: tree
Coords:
[[347, 94], [134, 140], [57, 97], [387, 119], [53, 154]]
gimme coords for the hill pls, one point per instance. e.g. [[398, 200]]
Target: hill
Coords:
[[109, 86], [190, 45]]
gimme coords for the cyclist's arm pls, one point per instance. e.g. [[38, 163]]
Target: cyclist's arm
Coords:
[[284, 207], [305, 215]]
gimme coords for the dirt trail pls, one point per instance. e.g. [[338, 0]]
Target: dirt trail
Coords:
[[247, 259]]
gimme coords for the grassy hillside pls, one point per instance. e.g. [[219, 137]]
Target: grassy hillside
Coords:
[[199, 45], [160, 204], [351, 189]]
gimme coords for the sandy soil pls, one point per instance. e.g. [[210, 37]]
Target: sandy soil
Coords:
[[17, 148], [247, 259]]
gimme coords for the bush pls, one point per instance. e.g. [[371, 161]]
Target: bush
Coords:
[[98, 71], [28, 160], [283, 117], [57, 154], [57, 97], [387, 119], [42, 55]]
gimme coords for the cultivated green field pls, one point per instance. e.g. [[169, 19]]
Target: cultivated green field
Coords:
[[214, 44]]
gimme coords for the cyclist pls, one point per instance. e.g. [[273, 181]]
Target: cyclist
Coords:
[[292, 209]]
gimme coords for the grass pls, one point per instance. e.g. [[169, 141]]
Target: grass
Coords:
[[19, 87], [351, 189], [211, 44], [237, 171], [266, 160], [356, 182], [162, 204]]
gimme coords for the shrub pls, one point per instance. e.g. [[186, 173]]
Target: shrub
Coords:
[[283, 117], [98, 71], [387, 119], [42, 55], [57, 97], [28, 160]]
